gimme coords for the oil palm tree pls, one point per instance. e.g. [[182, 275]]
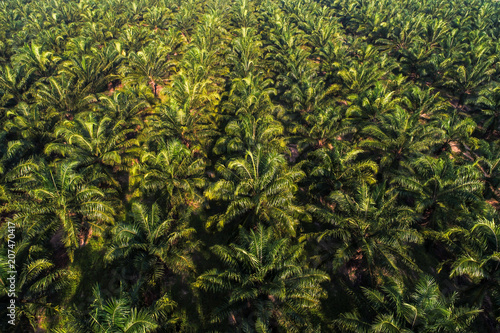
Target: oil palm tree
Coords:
[[243, 15], [60, 94], [426, 102], [154, 243], [399, 137], [93, 71], [127, 108], [369, 106], [157, 17], [55, 199], [260, 187], [247, 132], [337, 168], [55, 39], [466, 78], [194, 89], [479, 260], [173, 120], [489, 103], [98, 147], [299, 84], [211, 31], [79, 46], [458, 131], [14, 82], [333, 57], [150, 66], [398, 309], [246, 52], [30, 128], [251, 94], [488, 161], [39, 284], [185, 19], [265, 283], [320, 128], [115, 315], [40, 61], [441, 190], [319, 31], [174, 174], [367, 234], [361, 77], [133, 39]]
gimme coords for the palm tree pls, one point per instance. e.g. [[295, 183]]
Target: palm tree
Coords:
[[7, 18], [299, 84], [361, 77], [266, 284], [479, 260], [55, 199], [246, 52], [97, 146], [93, 71], [127, 108], [333, 57], [157, 17], [284, 39], [402, 36], [458, 132], [434, 32], [320, 31], [115, 315], [60, 94], [259, 187], [337, 168], [14, 82], [30, 128], [243, 14], [211, 34], [251, 94], [368, 107], [426, 102], [151, 66], [185, 19], [397, 309], [134, 39], [368, 234], [173, 120], [440, 190], [416, 60], [40, 61], [321, 128], [172, 38], [135, 10], [247, 132], [55, 39], [488, 161], [154, 244], [465, 79], [173, 174], [489, 104], [195, 87], [39, 284], [399, 138], [79, 47]]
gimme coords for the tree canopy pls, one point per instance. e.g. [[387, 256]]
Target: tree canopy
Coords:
[[250, 165]]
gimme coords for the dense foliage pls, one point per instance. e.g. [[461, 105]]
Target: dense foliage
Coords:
[[251, 166]]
